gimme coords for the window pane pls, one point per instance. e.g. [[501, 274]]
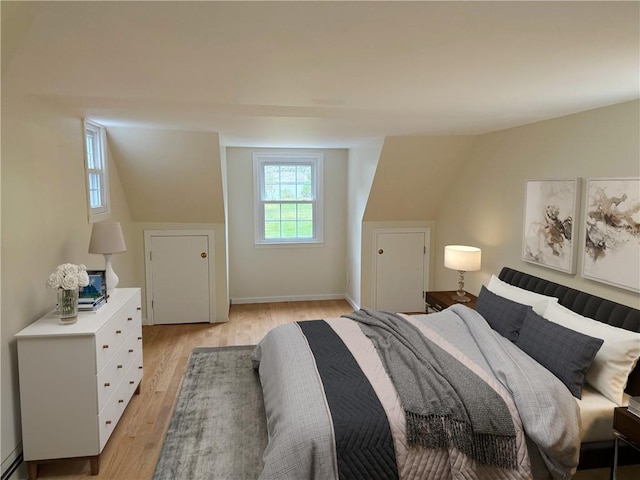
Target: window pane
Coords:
[[304, 192], [287, 192], [304, 174], [272, 212], [289, 229], [287, 173], [271, 230], [305, 211], [95, 197], [289, 211], [90, 151], [271, 174], [305, 229]]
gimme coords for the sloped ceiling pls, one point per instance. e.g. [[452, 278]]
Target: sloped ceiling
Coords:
[[322, 74], [169, 176]]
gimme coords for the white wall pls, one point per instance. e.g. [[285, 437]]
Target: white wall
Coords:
[[363, 161], [485, 206], [290, 272]]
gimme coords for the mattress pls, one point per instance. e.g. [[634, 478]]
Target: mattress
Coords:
[[596, 415]]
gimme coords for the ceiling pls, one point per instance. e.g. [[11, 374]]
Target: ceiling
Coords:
[[322, 74]]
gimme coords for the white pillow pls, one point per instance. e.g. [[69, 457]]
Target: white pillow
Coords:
[[538, 302], [616, 358]]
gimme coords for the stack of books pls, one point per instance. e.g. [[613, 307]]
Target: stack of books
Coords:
[[634, 405], [91, 304]]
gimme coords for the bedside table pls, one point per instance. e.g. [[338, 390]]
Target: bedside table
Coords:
[[626, 427], [440, 300]]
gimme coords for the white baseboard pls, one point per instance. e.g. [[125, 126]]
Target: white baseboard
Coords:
[[353, 304], [288, 298]]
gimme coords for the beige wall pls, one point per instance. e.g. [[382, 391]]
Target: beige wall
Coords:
[[168, 175], [44, 224], [302, 272], [413, 176], [484, 206]]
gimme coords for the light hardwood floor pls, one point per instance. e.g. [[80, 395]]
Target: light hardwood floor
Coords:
[[133, 449]]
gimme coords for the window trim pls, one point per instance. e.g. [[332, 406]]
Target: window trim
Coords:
[[104, 211], [314, 159]]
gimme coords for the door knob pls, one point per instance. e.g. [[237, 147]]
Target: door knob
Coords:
[[203, 255], [380, 252]]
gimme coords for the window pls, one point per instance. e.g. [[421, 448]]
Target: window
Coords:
[[288, 198], [96, 168]]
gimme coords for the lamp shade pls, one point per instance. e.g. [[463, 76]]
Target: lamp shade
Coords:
[[462, 258], [106, 237]]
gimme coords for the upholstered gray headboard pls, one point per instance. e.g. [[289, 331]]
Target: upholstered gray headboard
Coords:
[[584, 304]]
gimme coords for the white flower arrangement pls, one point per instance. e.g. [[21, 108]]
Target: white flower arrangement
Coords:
[[68, 277]]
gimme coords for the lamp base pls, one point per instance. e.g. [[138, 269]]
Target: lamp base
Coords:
[[460, 297], [110, 276]]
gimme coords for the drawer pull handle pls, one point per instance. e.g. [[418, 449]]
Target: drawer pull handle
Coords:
[[131, 350], [107, 384], [105, 346], [139, 338], [140, 367], [118, 332], [120, 401], [119, 366], [108, 422], [131, 382], [129, 319], [138, 308]]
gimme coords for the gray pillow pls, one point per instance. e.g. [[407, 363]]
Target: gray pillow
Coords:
[[564, 352], [503, 315]]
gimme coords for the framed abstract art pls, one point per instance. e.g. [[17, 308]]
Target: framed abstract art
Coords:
[[612, 232], [550, 213]]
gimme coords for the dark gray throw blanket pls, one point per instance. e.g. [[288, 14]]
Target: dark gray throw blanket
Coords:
[[445, 403]]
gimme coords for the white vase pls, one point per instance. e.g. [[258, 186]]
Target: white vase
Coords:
[[68, 305]]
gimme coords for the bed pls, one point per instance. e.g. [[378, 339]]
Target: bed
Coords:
[[344, 397], [593, 454]]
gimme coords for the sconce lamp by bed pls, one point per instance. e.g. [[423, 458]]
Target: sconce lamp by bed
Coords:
[[107, 239], [463, 259]]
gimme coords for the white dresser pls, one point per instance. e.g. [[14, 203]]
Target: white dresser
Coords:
[[76, 380]]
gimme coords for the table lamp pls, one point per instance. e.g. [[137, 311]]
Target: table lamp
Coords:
[[107, 239], [463, 259]]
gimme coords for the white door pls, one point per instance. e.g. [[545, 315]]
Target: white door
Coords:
[[401, 271], [179, 275]]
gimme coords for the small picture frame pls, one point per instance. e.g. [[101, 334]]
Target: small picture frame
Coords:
[[97, 285]]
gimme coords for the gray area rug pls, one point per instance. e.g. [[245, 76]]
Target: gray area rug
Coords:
[[218, 429]]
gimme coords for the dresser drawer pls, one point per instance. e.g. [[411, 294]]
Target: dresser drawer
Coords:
[[109, 378], [109, 416], [133, 376], [111, 335], [117, 403]]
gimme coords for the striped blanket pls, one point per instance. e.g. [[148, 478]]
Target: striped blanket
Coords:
[[333, 412]]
